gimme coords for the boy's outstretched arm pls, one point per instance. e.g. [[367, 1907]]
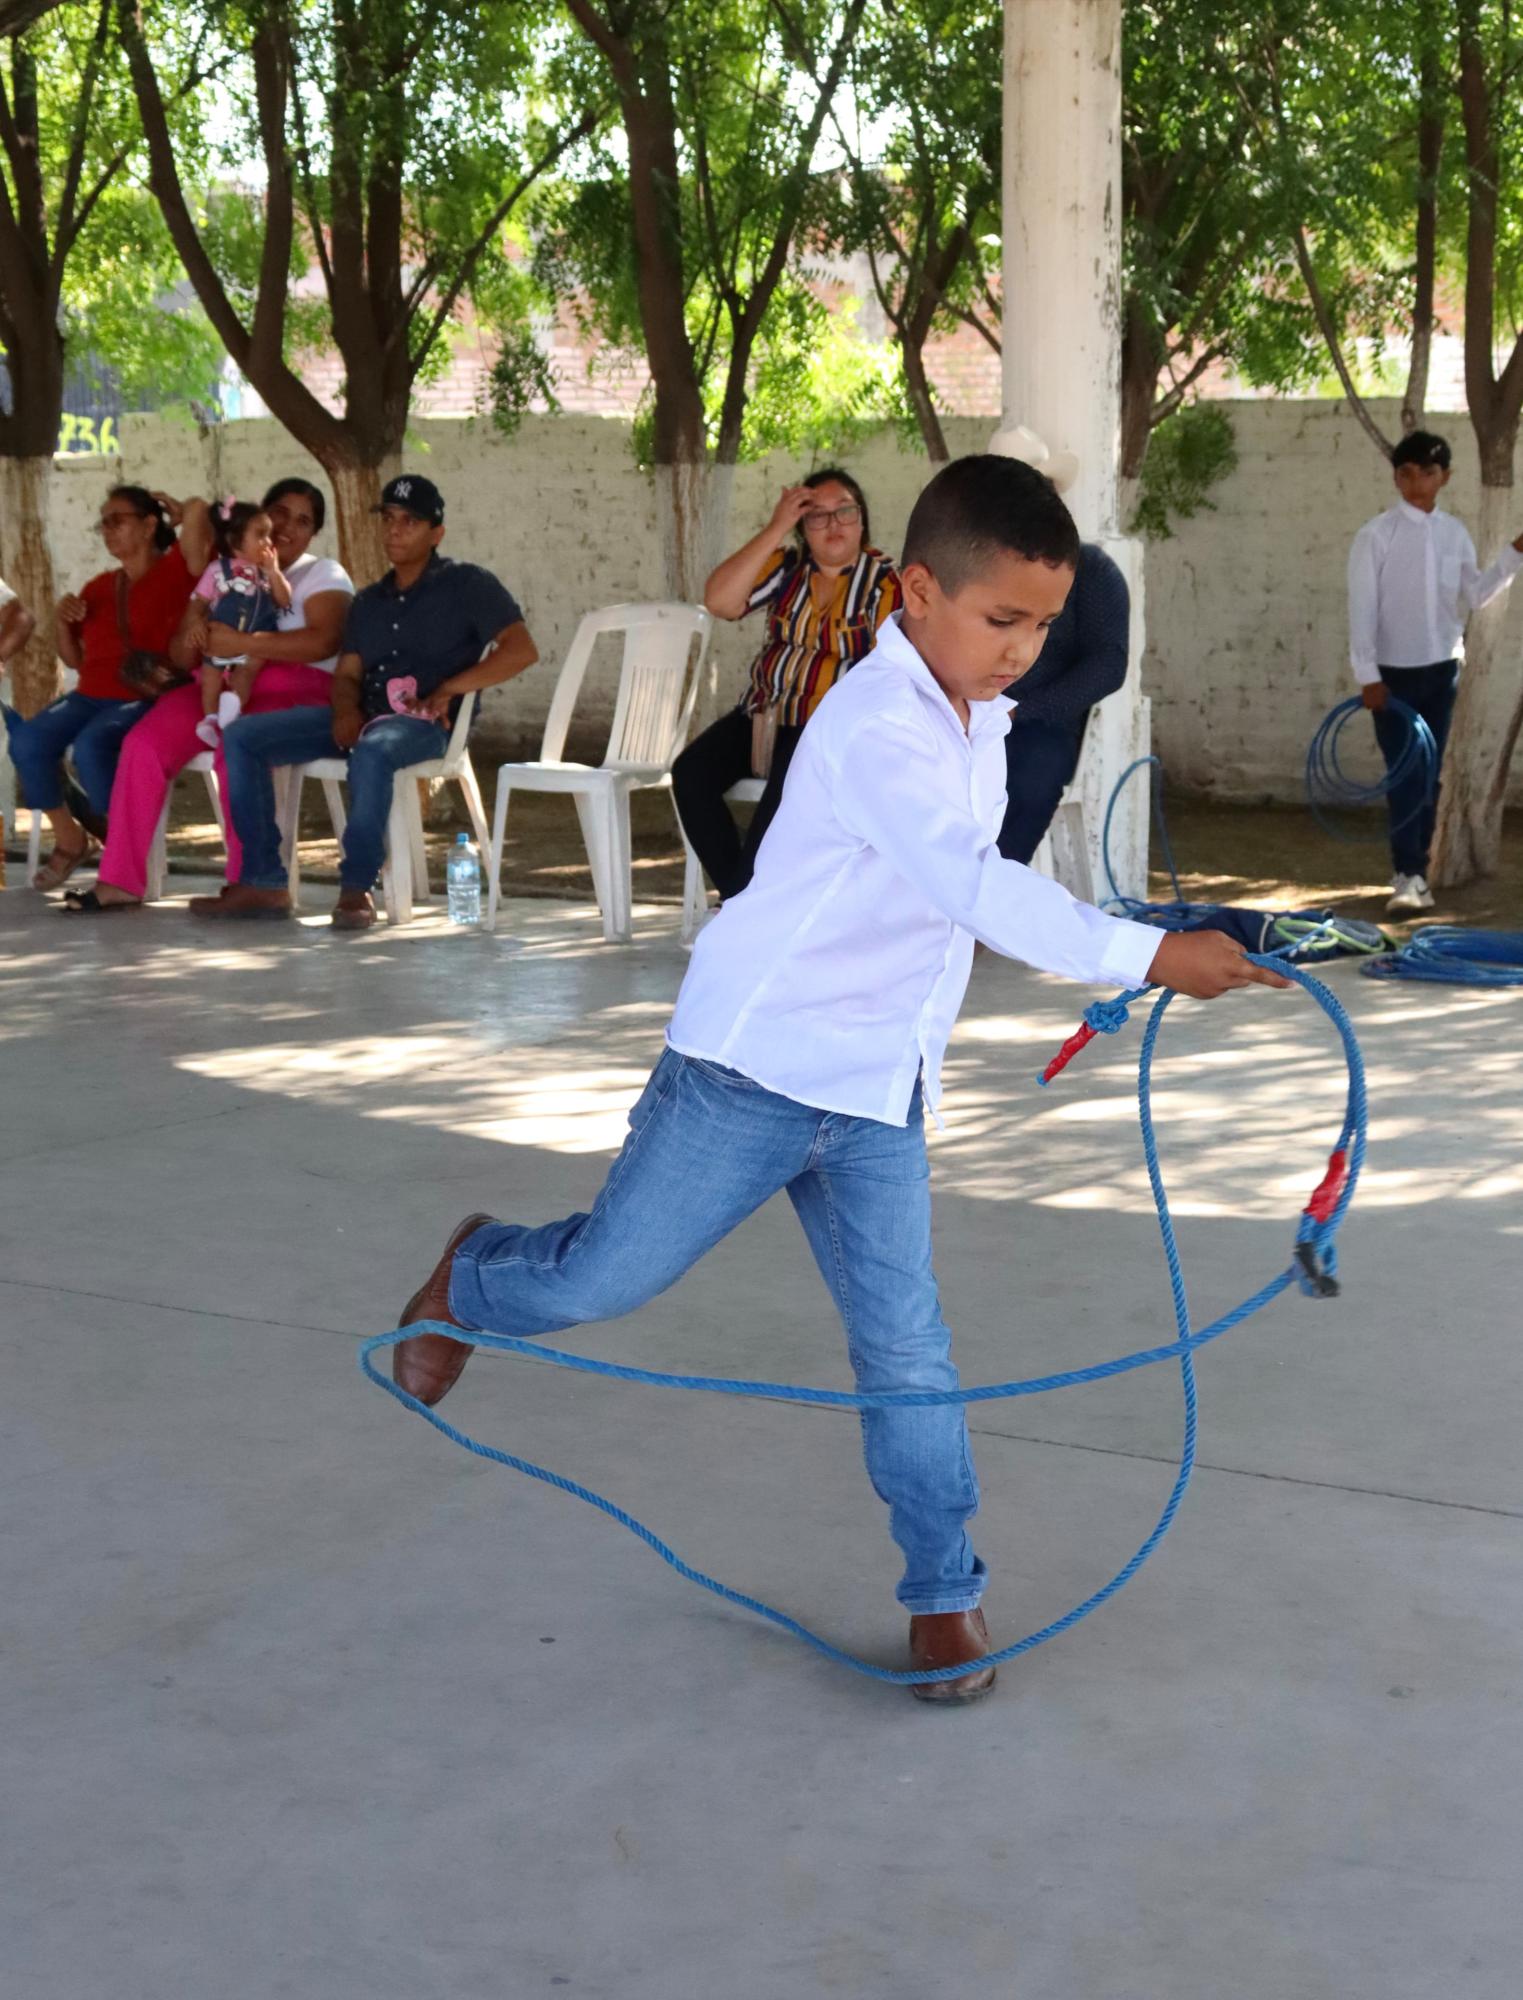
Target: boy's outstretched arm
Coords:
[[891, 793]]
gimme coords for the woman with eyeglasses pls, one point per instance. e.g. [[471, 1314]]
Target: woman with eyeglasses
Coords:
[[825, 590], [135, 605]]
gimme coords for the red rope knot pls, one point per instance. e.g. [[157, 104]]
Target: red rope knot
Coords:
[[1329, 1190], [1103, 1017]]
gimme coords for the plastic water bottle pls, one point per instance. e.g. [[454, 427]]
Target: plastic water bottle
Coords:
[[464, 878]]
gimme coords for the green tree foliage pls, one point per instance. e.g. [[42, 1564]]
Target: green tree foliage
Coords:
[[923, 182], [1193, 449], [1206, 217], [84, 265], [707, 265], [352, 189], [85, 262]]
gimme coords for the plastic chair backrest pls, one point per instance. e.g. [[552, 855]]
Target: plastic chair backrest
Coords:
[[454, 750], [656, 690]]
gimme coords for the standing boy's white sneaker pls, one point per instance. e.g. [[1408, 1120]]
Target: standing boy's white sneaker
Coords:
[[1421, 894], [1401, 893]]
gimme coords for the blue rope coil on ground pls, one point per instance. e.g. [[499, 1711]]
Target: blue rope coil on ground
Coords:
[[1449, 955], [1311, 1267], [1330, 787]]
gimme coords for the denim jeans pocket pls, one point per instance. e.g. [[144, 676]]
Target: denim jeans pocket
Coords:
[[717, 1073]]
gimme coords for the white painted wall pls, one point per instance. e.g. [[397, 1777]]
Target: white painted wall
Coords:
[[1245, 627]]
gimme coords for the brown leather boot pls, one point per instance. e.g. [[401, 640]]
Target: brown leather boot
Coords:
[[946, 1639], [241, 899], [354, 911], [429, 1365]]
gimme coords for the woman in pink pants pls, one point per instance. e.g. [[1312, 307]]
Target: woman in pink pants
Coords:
[[296, 672]]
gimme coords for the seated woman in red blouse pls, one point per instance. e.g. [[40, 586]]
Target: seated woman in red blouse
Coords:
[[825, 590], [141, 600]]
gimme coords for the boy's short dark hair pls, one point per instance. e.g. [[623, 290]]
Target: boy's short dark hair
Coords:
[[1422, 448], [980, 507]]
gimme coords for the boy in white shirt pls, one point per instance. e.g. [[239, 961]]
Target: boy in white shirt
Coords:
[[1413, 580], [810, 1028]]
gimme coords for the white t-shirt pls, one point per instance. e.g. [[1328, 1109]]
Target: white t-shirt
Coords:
[[308, 577]]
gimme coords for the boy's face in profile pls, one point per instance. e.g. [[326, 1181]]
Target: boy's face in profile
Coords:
[[988, 634], [1420, 485]]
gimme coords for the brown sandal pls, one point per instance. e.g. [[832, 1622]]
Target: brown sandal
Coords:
[[60, 865]]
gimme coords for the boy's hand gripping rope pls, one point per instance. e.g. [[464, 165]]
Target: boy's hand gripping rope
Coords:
[[1312, 1266]]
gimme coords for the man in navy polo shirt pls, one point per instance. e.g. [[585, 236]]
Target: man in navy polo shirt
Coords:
[[429, 632]]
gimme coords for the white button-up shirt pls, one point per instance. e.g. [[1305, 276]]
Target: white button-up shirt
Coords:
[[836, 978], [1412, 582]]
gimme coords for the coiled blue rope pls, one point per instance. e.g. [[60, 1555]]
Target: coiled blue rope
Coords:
[[1132, 905], [1329, 786], [1314, 1239], [1449, 955]]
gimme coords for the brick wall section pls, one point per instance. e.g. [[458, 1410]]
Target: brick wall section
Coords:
[[1246, 618]]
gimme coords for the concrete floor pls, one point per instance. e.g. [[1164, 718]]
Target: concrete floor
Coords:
[[296, 1699]]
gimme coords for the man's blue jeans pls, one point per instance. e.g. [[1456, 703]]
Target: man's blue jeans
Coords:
[[706, 1148], [96, 729], [1429, 690], [255, 744]]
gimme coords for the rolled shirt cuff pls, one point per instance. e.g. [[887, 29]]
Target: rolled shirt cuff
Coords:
[[1366, 672], [1129, 953]]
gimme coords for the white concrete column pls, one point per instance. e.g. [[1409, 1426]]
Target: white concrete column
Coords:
[[1062, 346]]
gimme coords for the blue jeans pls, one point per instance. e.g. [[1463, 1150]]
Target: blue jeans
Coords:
[[96, 729], [1430, 690], [255, 744], [706, 1148]]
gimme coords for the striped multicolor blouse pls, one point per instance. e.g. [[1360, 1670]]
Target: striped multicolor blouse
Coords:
[[808, 647]]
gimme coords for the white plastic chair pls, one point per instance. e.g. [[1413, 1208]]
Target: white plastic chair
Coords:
[[695, 900], [405, 875], [158, 856], [650, 719]]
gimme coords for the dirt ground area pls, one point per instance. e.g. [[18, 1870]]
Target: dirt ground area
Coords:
[[1263, 856]]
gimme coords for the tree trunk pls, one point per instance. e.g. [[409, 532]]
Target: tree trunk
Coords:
[[26, 563], [918, 388], [1140, 362], [1430, 142], [693, 501], [1468, 840], [356, 495]]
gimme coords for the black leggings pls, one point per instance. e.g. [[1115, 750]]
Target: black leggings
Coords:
[[701, 776]]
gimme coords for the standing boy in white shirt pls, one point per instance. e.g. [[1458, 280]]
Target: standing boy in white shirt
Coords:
[[1412, 582], [810, 1028]]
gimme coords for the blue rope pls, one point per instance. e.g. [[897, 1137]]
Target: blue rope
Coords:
[[1449, 955], [1315, 1241], [1328, 785], [1131, 905], [1181, 913]]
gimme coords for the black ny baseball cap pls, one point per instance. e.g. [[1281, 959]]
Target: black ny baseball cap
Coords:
[[415, 495]]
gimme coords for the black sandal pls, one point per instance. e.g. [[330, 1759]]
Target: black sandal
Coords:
[[85, 903]]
